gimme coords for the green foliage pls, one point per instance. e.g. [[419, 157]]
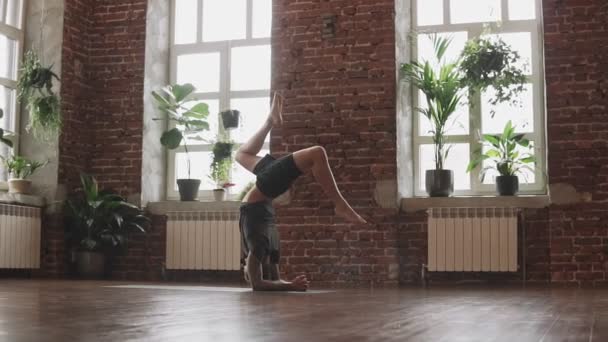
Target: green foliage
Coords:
[[443, 93], [491, 63], [21, 168], [502, 152], [4, 135], [101, 220], [34, 88], [222, 162], [188, 116]]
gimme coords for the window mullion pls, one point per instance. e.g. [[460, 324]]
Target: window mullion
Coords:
[[199, 22], [249, 19], [446, 12], [504, 11]]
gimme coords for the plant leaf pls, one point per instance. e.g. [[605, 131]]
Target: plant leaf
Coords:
[[172, 139], [181, 91], [199, 111]]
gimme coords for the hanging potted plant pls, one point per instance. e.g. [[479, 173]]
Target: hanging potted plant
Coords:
[[230, 118], [220, 168], [505, 158], [190, 119], [443, 92], [99, 225], [35, 89], [491, 63], [20, 168]]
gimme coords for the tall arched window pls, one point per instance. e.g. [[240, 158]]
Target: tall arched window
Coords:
[[223, 49]]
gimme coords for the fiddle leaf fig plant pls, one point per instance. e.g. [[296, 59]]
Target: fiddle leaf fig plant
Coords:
[[184, 117], [504, 152]]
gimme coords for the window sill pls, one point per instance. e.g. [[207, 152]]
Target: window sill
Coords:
[[423, 203], [162, 208], [26, 200]]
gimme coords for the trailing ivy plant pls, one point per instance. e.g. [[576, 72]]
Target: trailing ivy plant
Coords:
[[4, 134], [35, 89], [442, 90], [491, 63], [501, 150], [221, 163], [189, 116]]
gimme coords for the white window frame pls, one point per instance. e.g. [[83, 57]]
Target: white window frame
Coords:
[[224, 48], [537, 79], [18, 35]]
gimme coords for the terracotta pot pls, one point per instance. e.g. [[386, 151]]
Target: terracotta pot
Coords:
[[19, 186]]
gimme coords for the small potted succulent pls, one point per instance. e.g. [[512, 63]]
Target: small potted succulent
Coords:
[[502, 151], [185, 118], [19, 169], [230, 118]]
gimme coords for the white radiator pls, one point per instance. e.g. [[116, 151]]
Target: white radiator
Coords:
[[19, 237], [472, 240], [203, 241]]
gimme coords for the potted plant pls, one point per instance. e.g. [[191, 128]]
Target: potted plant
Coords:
[[190, 119], [230, 118], [491, 63], [502, 152], [443, 92], [20, 168], [35, 90], [99, 223], [220, 168]]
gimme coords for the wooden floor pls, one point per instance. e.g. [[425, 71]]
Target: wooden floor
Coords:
[[94, 311]]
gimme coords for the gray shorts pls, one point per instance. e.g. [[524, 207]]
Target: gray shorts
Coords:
[[259, 233]]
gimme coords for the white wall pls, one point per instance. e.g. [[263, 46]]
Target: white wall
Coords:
[[45, 180], [156, 76]]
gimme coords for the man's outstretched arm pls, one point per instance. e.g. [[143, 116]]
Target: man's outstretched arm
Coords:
[[254, 269]]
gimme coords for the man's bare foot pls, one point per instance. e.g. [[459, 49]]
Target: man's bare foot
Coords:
[[276, 110], [346, 212]]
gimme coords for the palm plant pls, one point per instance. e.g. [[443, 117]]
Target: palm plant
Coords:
[[443, 92], [502, 151], [100, 220], [21, 168]]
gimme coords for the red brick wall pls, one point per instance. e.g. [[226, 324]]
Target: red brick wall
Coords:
[[576, 46], [116, 64], [340, 93]]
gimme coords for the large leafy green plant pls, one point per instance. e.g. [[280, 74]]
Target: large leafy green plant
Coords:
[[189, 116], [442, 90], [101, 220], [34, 88], [21, 168], [4, 135], [502, 152]]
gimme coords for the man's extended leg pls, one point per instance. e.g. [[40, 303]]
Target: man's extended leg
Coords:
[[247, 154], [314, 159]]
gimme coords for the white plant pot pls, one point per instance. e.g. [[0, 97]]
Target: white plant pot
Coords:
[[219, 194], [19, 186]]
